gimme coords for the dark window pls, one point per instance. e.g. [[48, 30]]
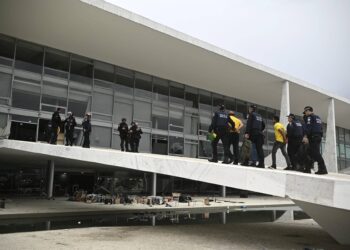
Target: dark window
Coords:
[[104, 72], [7, 47], [29, 57], [191, 98], [81, 71], [143, 86], [57, 60], [177, 94]]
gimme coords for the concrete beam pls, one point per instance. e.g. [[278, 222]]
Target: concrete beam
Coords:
[[330, 150]]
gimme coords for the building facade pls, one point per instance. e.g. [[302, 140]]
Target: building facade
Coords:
[[36, 78]]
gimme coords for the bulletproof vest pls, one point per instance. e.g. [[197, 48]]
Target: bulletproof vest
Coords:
[[298, 129], [256, 121], [314, 124], [221, 120]]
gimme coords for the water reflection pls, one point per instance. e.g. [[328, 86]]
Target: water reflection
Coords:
[[225, 216]]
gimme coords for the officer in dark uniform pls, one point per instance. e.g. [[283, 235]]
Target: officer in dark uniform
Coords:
[[69, 125], [254, 132], [123, 134], [220, 128], [313, 137], [55, 123], [135, 136], [86, 130], [295, 134]]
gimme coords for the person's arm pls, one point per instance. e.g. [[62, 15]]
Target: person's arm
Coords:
[[281, 131], [213, 123], [249, 126], [241, 125], [231, 123]]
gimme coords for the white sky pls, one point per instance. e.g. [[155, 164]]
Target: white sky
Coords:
[[307, 39]]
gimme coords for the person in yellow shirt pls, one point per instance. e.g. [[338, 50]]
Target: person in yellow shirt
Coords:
[[280, 141], [235, 126]]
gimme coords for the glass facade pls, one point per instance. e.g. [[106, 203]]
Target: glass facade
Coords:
[[35, 80]]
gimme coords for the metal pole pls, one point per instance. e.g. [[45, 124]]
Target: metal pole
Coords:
[[50, 180], [154, 184]]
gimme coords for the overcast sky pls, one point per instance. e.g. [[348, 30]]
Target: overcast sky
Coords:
[[307, 39]]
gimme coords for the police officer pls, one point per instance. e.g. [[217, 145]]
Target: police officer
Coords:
[[254, 132], [295, 133], [313, 137], [69, 125], [86, 130], [235, 126], [135, 136], [123, 134], [55, 123], [219, 127]]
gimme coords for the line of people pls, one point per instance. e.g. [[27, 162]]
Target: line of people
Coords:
[[303, 140], [69, 126], [129, 136]]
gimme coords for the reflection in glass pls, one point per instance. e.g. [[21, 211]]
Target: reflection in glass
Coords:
[[143, 86], [176, 145]]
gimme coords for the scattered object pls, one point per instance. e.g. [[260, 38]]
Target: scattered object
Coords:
[[185, 198], [211, 136], [206, 202]]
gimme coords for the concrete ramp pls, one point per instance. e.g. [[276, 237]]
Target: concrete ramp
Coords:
[[328, 191]]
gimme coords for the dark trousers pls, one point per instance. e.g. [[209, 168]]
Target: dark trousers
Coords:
[[86, 141], [292, 150], [258, 140], [134, 143], [279, 145], [221, 134], [69, 137], [124, 144], [314, 151], [53, 139], [234, 141]]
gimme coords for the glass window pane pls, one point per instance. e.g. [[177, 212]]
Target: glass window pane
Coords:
[[230, 104], [191, 125], [191, 98], [53, 95], [101, 136], [7, 50], [177, 95], [122, 110], [104, 71], [217, 100], [160, 91], [124, 84], [26, 95], [81, 72], [143, 86], [191, 150], [176, 120], [5, 84], [176, 145], [205, 149], [160, 117], [159, 145], [57, 60], [79, 103], [102, 103], [142, 113], [29, 57], [145, 143]]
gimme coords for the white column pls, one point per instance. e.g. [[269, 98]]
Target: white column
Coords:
[[50, 180], [223, 191], [330, 149], [285, 103], [154, 184]]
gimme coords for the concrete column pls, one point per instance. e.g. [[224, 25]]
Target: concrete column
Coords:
[[224, 218], [330, 150], [154, 184], [50, 179], [285, 103], [223, 191]]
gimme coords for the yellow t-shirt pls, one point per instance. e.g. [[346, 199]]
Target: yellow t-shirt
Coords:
[[278, 136], [237, 123]]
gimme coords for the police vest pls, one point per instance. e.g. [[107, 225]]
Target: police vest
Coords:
[[314, 124], [221, 120], [297, 129], [256, 121]]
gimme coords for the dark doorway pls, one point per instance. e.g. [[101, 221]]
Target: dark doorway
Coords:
[[44, 130], [159, 145], [23, 131]]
